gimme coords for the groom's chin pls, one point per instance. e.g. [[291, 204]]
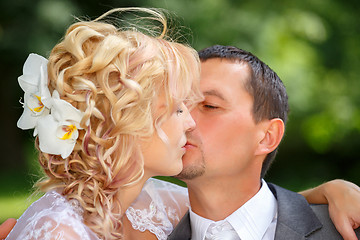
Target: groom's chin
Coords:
[[191, 172]]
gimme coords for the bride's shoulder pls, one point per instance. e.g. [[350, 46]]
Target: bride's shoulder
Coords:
[[164, 187], [164, 194], [158, 208], [52, 216]]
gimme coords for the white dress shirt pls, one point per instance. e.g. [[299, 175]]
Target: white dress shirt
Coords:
[[255, 220]]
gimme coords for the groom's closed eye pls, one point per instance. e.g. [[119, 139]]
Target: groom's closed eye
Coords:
[[209, 106]]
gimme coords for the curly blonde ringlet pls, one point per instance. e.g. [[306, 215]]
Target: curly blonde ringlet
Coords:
[[114, 76]]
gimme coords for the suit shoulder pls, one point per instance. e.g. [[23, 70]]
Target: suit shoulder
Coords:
[[322, 213], [310, 221]]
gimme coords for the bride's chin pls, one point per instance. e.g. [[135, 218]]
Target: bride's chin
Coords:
[[165, 168], [172, 169], [177, 167]]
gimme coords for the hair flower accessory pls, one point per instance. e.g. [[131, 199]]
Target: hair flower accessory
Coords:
[[37, 96], [55, 121], [58, 131]]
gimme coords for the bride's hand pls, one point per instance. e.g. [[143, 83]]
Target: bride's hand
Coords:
[[6, 227], [344, 207], [343, 198]]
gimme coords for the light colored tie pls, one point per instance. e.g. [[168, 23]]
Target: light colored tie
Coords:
[[221, 231]]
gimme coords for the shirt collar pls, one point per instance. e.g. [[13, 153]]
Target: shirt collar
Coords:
[[250, 221], [199, 225]]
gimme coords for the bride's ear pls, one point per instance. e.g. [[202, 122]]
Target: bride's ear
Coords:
[[273, 132]]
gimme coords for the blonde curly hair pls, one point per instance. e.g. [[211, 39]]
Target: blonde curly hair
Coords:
[[114, 76]]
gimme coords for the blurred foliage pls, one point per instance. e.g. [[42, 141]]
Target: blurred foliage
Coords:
[[312, 45]]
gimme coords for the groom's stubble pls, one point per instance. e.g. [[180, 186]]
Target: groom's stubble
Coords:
[[194, 160]]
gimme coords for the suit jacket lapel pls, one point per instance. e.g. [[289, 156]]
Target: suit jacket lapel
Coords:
[[296, 220], [183, 230]]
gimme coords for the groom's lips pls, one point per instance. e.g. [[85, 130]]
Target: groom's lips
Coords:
[[189, 145]]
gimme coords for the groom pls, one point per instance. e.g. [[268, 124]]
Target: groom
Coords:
[[239, 128]]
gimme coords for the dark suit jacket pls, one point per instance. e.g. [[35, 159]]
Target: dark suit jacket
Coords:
[[296, 219]]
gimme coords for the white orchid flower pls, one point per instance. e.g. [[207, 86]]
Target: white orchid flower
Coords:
[[54, 120], [58, 131], [37, 98]]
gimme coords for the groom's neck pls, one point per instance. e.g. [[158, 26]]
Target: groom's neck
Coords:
[[216, 199]]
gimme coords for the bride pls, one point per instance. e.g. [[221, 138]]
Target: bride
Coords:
[[108, 112]]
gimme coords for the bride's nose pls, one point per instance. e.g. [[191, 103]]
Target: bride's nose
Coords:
[[189, 121]]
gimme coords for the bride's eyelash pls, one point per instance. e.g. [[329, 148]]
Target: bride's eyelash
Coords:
[[179, 111]]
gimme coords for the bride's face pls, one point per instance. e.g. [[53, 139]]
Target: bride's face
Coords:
[[164, 150]]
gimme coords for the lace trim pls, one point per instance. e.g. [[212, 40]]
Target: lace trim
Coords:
[[158, 208], [153, 219]]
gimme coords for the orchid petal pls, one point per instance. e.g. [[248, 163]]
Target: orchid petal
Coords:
[[28, 83], [32, 111], [49, 142], [64, 111], [34, 73], [34, 61], [44, 90], [27, 120]]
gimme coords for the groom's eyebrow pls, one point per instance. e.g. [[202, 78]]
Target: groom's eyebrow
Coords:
[[214, 93]]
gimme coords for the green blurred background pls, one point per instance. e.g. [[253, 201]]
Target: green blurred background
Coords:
[[314, 46]]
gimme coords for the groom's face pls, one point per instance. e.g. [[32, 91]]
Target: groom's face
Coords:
[[225, 137]]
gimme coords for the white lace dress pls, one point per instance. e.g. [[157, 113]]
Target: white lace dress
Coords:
[[158, 209]]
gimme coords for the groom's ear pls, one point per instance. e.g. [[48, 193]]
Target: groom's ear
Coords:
[[273, 132]]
